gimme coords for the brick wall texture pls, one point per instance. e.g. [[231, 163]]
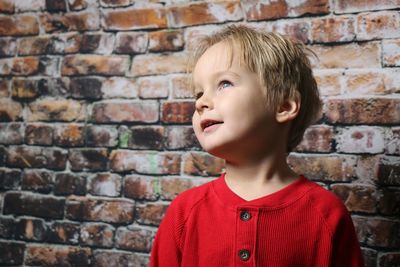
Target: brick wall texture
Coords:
[[95, 111]]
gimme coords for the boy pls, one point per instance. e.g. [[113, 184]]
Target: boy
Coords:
[[255, 96]]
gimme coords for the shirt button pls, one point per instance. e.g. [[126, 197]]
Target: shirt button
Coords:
[[244, 254], [245, 216]]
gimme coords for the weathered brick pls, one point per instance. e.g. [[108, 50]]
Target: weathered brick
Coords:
[[381, 170], [8, 46], [97, 43], [56, 5], [135, 238], [160, 41], [324, 167], [97, 234], [9, 179], [180, 87], [7, 6], [317, 138], [202, 164], [278, 9], [389, 259], [64, 232], [142, 137], [4, 87], [389, 200], [360, 139], [344, 6], [133, 19], [193, 34], [31, 229], [10, 110], [92, 159], [36, 157], [366, 55], [151, 213], [7, 227], [131, 42], [177, 112], [378, 25], [180, 137], [358, 198], [101, 136], [34, 5], [72, 21], [390, 52], [60, 44], [19, 25], [154, 64], [78, 4], [145, 162], [333, 29], [105, 184], [94, 64], [118, 87], [115, 3], [86, 88], [173, 186], [19, 66], [37, 180], [392, 142], [11, 252], [153, 87], [11, 133], [45, 255], [141, 187], [53, 109], [364, 82], [25, 89], [69, 135], [377, 232], [104, 210], [57, 87], [363, 110], [69, 183], [295, 28], [125, 111], [39, 134], [104, 258], [33, 204], [49, 66]]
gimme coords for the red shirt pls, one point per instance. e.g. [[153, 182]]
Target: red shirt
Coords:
[[300, 225]]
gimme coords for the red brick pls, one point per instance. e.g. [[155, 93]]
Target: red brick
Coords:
[[180, 87], [36, 157], [391, 53], [37, 180], [131, 42], [378, 25], [97, 234], [115, 3], [381, 170], [171, 40], [389, 259], [94, 64], [103, 210], [72, 21], [365, 55], [46, 255], [133, 19], [153, 87], [9, 179], [181, 137], [10, 110], [39, 134], [19, 66], [151, 213], [294, 28], [64, 232], [25, 89], [142, 137], [52, 109], [49, 66], [55, 87], [364, 83], [88, 88], [177, 112], [141, 187], [56, 5], [145, 162], [84, 159], [11, 252], [173, 186], [324, 167], [24, 6], [119, 87], [135, 238], [18, 25], [11, 133], [69, 183], [97, 43], [392, 142], [155, 64], [104, 258], [105, 184], [389, 200], [344, 6], [333, 29], [34, 205], [101, 136], [60, 44], [7, 6], [69, 135], [8, 46], [118, 111], [360, 139], [363, 110], [329, 82], [4, 87], [193, 34], [357, 198], [202, 164], [317, 138]]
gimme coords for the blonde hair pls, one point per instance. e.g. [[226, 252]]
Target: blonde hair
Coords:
[[282, 66]]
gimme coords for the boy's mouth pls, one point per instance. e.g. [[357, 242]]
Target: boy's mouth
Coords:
[[208, 123]]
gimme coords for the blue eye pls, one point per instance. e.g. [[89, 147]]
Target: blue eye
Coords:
[[224, 83]]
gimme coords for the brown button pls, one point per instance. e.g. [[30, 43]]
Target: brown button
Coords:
[[244, 254], [245, 215]]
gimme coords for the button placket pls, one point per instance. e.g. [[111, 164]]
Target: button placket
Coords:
[[246, 228]]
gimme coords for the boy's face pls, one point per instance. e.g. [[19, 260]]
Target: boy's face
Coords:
[[231, 96]]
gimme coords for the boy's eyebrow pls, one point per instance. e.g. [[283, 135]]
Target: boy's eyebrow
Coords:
[[220, 73]]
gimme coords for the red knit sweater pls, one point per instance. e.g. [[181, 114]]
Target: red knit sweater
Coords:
[[300, 225]]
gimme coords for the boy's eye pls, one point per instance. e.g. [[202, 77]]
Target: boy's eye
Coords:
[[225, 84]]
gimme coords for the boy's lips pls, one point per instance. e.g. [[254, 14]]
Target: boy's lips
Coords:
[[207, 123]]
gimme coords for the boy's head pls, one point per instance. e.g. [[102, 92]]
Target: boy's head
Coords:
[[278, 66]]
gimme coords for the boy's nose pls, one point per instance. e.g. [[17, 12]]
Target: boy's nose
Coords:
[[204, 102]]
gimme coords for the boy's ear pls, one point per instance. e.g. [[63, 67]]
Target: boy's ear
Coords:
[[288, 110]]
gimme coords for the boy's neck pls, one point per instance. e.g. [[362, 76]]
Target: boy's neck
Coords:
[[256, 178]]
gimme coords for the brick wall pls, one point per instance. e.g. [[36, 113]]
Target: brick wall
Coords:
[[95, 135]]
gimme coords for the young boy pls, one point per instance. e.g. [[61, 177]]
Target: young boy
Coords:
[[255, 96]]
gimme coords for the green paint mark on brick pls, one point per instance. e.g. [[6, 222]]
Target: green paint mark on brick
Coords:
[[157, 187], [124, 139], [152, 158]]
